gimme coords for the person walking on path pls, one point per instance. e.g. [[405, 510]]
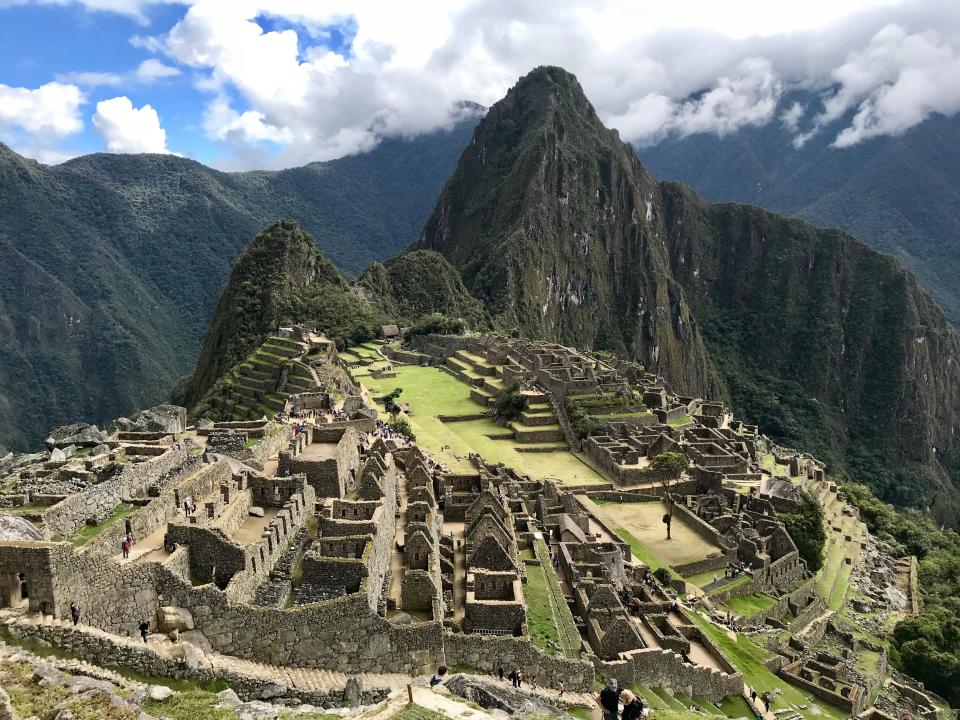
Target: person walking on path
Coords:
[[500, 668], [125, 547], [561, 688], [144, 629], [609, 700], [74, 613]]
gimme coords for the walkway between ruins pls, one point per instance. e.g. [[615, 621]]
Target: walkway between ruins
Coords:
[[300, 679]]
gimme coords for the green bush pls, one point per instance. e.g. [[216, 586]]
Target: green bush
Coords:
[[437, 324], [806, 529], [402, 426], [509, 403]]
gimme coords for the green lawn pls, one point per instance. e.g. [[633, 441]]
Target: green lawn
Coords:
[[87, 533], [749, 605], [430, 392], [415, 712], [643, 554], [749, 658], [545, 603]]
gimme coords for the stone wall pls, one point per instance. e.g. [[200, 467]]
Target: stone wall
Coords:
[[97, 502], [108, 651], [490, 652], [329, 477], [667, 669], [162, 509], [32, 560]]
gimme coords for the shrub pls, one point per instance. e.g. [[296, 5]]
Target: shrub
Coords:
[[509, 403]]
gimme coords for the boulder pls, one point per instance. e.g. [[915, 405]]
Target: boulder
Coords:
[[162, 418], [63, 454], [101, 449], [227, 699], [79, 434], [159, 693], [256, 511], [12, 461], [256, 710], [18, 529], [6, 707], [204, 424], [171, 618]]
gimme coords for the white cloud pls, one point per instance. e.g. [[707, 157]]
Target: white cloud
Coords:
[[650, 69], [127, 129], [790, 118], [50, 111], [146, 73], [91, 79], [151, 70], [897, 81]]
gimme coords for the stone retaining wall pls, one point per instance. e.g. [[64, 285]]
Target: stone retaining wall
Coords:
[[107, 651], [490, 652]]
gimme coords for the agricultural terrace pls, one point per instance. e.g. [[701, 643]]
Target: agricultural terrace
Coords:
[[429, 392]]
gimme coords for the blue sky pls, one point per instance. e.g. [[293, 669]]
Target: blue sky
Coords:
[[39, 44], [243, 84]]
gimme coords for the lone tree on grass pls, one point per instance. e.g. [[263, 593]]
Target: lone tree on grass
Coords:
[[390, 401], [667, 468]]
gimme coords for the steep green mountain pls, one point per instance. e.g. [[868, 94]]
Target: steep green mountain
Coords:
[[419, 282], [827, 344], [900, 194], [110, 265], [282, 278], [552, 223]]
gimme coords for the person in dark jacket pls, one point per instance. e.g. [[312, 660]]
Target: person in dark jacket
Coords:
[[609, 700], [632, 706]]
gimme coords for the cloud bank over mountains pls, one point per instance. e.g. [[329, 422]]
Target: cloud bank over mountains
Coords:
[[291, 81]]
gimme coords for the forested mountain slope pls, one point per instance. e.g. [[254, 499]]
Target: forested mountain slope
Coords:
[[899, 194], [112, 263]]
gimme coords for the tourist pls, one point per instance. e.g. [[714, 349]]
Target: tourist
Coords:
[[144, 629], [74, 613], [125, 547], [561, 688], [632, 706], [519, 677], [609, 700], [439, 676], [500, 668]]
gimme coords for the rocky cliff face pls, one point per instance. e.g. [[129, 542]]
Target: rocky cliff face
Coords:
[[827, 344], [553, 223]]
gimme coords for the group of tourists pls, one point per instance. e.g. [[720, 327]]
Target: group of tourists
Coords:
[[610, 699]]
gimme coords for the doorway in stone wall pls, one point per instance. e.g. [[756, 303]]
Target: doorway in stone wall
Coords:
[[14, 590]]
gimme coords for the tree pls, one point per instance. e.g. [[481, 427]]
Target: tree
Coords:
[[667, 468], [806, 531], [402, 426], [509, 403], [390, 401]]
